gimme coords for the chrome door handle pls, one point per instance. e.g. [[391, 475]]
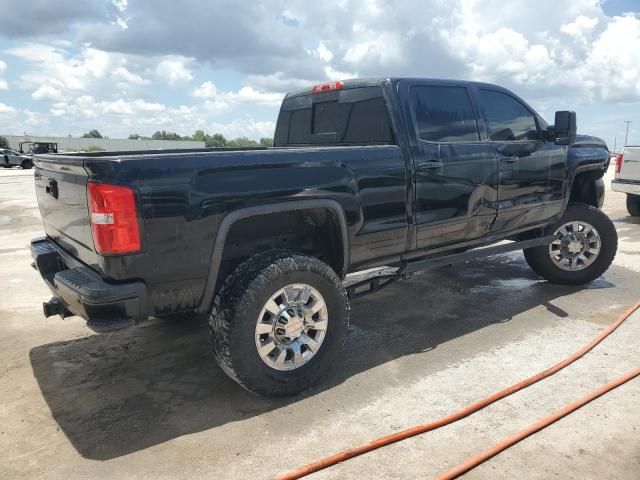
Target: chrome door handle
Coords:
[[429, 165]]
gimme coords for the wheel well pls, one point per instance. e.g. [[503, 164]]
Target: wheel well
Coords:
[[314, 232], [583, 189]]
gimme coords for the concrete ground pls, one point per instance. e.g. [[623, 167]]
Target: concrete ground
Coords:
[[150, 402]]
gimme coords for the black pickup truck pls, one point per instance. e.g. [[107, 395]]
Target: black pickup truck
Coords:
[[401, 172]]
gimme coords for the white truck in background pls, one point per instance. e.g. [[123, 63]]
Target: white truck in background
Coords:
[[627, 178]]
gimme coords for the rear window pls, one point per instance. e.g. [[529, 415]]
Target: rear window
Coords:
[[356, 116], [444, 114]]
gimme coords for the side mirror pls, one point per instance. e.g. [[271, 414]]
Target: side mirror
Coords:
[[565, 128]]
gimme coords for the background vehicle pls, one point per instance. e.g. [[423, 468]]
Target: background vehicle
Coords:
[[37, 148], [412, 173], [627, 178], [11, 158]]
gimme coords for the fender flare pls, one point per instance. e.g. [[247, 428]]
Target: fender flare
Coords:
[[598, 184], [204, 306]]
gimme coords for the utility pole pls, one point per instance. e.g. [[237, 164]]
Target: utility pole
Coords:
[[627, 134]]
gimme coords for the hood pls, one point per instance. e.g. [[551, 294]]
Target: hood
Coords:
[[589, 141]]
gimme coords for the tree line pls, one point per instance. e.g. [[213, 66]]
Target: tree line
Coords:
[[215, 140]]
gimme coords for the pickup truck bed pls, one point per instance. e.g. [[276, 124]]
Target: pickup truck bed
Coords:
[[363, 173], [627, 178]]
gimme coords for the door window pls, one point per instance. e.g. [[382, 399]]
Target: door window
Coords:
[[444, 114], [507, 119]]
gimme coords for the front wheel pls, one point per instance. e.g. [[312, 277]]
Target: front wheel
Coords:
[[633, 205], [585, 246], [26, 164], [279, 322]]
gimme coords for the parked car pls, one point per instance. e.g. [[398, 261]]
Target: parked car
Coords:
[[411, 173], [11, 158], [627, 178]]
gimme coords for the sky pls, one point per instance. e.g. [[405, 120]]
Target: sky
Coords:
[[223, 66]]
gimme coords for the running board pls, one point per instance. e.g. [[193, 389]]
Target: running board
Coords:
[[429, 263], [379, 282]]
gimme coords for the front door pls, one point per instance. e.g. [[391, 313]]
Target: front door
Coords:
[[531, 170], [455, 173]]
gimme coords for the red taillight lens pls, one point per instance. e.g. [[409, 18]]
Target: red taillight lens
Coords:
[[114, 221], [619, 163], [326, 87]]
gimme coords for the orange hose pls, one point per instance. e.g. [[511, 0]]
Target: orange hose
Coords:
[[535, 427], [454, 417]]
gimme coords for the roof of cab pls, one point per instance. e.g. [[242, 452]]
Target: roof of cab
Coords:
[[375, 81]]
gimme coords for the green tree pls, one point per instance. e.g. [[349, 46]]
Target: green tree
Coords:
[[199, 136], [92, 134], [266, 142], [164, 135], [215, 140], [242, 142], [4, 143], [135, 136]]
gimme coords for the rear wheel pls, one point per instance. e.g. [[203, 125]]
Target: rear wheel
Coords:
[[584, 249], [633, 205], [279, 322]]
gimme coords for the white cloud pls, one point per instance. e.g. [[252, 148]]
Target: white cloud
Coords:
[[580, 27], [244, 127], [5, 109], [174, 71], [250, 95], [205, 89], [245, 95], [121, 74], [612, 67], [3, 83], [121, 5], [47, 92]]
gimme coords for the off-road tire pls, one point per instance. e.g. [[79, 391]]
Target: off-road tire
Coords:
[[540, 261], [238, 304], [633, 205]]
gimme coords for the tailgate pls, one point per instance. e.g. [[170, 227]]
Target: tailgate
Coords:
[[61, 188], [630, 164]]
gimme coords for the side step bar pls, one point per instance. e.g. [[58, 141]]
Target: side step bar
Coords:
[[378, 282]]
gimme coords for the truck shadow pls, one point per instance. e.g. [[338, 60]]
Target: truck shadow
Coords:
[[120, 393]]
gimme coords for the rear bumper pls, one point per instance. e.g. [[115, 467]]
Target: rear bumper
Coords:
[[78, 290], [626, 186]]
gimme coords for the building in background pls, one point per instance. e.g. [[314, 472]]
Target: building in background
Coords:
[[68, 144]]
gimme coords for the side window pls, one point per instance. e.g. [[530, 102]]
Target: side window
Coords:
[[444, 114], [507, 119]]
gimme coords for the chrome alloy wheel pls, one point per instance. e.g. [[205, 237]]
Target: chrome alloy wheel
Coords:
[[291, 327], [577, 246]]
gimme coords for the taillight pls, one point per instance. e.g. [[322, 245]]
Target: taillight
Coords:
[[114, 221], [619, 163], [326, 87]]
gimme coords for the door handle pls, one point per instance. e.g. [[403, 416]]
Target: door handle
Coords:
[[429, 165], [509, 159]]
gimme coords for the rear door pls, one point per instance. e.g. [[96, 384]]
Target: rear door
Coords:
[[532, 171], [61, 189], [455, 172]]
